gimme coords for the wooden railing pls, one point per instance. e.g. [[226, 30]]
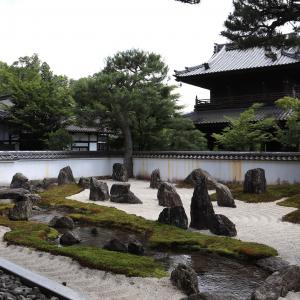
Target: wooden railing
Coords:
[[241, 100]]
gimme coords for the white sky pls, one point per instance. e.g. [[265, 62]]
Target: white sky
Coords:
[[75, 36]]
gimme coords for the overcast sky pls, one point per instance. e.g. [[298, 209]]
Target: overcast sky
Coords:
[[75, 36]]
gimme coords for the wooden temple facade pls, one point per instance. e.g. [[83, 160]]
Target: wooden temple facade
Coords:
[[237, 79]]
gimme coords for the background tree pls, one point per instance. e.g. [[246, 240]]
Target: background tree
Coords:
[[132, 96], [42, 101], [259, 22], [289, 136], [243, 134], [59, 140]]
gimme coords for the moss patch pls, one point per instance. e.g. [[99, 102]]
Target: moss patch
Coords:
[[160, 236], [39, 236], [294, 201]]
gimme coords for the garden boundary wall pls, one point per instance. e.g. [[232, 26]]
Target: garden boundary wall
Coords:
[[174, 165]]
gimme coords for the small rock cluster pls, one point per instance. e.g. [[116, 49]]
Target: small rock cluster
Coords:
[[224, 196], [133, 247], [11, 288], [203, 215], [119, 192]]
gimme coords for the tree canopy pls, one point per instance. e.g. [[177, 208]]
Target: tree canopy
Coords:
[[289, 136], [244, 134], [42, 101], [131, 94], [259, 23]]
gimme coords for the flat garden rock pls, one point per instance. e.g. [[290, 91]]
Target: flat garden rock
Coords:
[[116, 245], [272, 264], [98, 190], [14, 194], [175, 216], [62, 222], [208, 296], [119, 173], [255, 181], [48, 182], [224, 196], [65, 176], [155, 179], [185, 278], [135, 247], [69, 239], [279, 284], [120, 193], [167, 195]]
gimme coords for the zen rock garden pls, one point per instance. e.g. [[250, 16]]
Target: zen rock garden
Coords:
[[81, 227]]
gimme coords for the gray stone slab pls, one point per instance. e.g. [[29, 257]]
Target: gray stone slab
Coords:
[[42, 282]]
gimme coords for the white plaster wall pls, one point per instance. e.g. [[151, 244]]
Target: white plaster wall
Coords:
[[171, 169], [224, 170], [39, 169]]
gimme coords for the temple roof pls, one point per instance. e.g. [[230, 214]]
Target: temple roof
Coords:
[[229, 58], [218, 115]]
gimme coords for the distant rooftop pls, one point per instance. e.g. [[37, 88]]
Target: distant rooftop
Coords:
[[228, 57]]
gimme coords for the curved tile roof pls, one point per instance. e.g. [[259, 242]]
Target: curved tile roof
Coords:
[[230, 59], [218, 115]]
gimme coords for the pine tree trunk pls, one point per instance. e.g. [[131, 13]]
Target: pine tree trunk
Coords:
[[128, 160]]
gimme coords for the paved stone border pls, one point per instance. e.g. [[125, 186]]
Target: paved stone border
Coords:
[[44, 284]]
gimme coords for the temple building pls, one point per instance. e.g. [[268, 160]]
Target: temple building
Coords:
[[237, 79]]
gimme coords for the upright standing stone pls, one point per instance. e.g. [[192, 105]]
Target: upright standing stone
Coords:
[[224, 196], [84, 182], [22, 211], [255, 181], [175, 216], [20, 181], [201, 207], [98, 190], [155, 179], [119, 173], [65, 176], [185, 278], [167, 195]]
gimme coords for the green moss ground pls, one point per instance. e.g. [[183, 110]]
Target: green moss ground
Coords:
[[40, 236], [160, 236]]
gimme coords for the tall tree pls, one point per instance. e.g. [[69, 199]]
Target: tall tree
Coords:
[[244, 134], [289, 136], [130, 94], [259, 23], [42, 101]]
